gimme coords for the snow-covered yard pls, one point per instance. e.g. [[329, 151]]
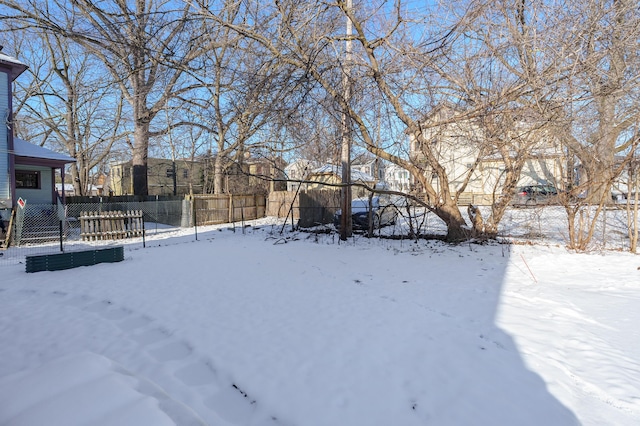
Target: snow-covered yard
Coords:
[[258, 328]]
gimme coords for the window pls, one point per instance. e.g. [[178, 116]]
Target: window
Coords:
[[169, 173], [27, 179], [185, 173]]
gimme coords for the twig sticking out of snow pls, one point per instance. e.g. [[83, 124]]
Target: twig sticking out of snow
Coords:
[[527, 265]]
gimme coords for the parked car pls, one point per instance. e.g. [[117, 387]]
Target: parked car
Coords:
[[383, 209], [535, 195]]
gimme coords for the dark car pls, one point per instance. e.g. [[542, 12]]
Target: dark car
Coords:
[[383, 209], [531, 195]]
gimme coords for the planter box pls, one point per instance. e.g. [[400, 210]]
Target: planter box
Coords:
[[60, 261]]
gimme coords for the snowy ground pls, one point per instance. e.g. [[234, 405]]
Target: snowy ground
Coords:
[[258, 328]]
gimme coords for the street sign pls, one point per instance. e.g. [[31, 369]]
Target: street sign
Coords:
[[21, 202]]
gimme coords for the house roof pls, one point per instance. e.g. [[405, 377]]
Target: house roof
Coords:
[[16, 66], [300, 164], [29, 153]]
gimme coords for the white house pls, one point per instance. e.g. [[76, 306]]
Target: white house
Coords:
[[370, 166], [458, 147], [397, 178], [298, 170]]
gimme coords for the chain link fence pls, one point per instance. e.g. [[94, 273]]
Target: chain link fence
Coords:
[[314, 209], [539, 224], [550, 224], [48, 228], [45, 229]]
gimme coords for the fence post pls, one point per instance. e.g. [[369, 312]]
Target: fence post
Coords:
[[144, 241], [242, 214], [195, 216], [61, 246], [604, 227], [156, 219]]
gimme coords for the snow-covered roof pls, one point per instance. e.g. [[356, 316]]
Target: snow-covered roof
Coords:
[[22, 148], [68, 187], [356, 175], [16, 66]]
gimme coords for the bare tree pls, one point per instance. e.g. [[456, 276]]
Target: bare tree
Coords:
[[240, 94], [633, 201], [67, 103], [579, 64], [147, 46], [309, 37]]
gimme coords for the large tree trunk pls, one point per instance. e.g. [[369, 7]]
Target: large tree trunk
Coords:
[[140, 155], [456, 225], [218, 175], [75, 179], [600, 176]]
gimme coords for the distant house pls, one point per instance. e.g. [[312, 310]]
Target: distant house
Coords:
[[264, 175], [164, 177], [180, 177], [371, 166], [27, 171], [298, 170], [329, 176], [457, 146], [396, 178]]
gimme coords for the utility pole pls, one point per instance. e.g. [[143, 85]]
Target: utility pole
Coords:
[[346, 225]]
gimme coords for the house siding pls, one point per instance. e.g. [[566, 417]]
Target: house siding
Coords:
[[457, 147], [159, 178], [44, 195], [5, 181]]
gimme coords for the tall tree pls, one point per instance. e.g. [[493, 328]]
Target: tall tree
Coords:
[[67, 103], [243, 91], [310, 37], [580, 65], [146, 45]]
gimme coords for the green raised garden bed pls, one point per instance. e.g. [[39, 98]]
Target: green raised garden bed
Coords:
[[60, 261]]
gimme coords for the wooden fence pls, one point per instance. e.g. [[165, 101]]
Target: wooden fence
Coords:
[[227, 208], [309, 208], [112, 225]]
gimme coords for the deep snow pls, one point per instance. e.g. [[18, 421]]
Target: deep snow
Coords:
[[258, 328]]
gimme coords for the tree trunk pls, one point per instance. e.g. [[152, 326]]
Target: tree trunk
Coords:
[[633, 186], [76, 179], [140, 155], [600, 177], [456, 225], [218, 175]]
